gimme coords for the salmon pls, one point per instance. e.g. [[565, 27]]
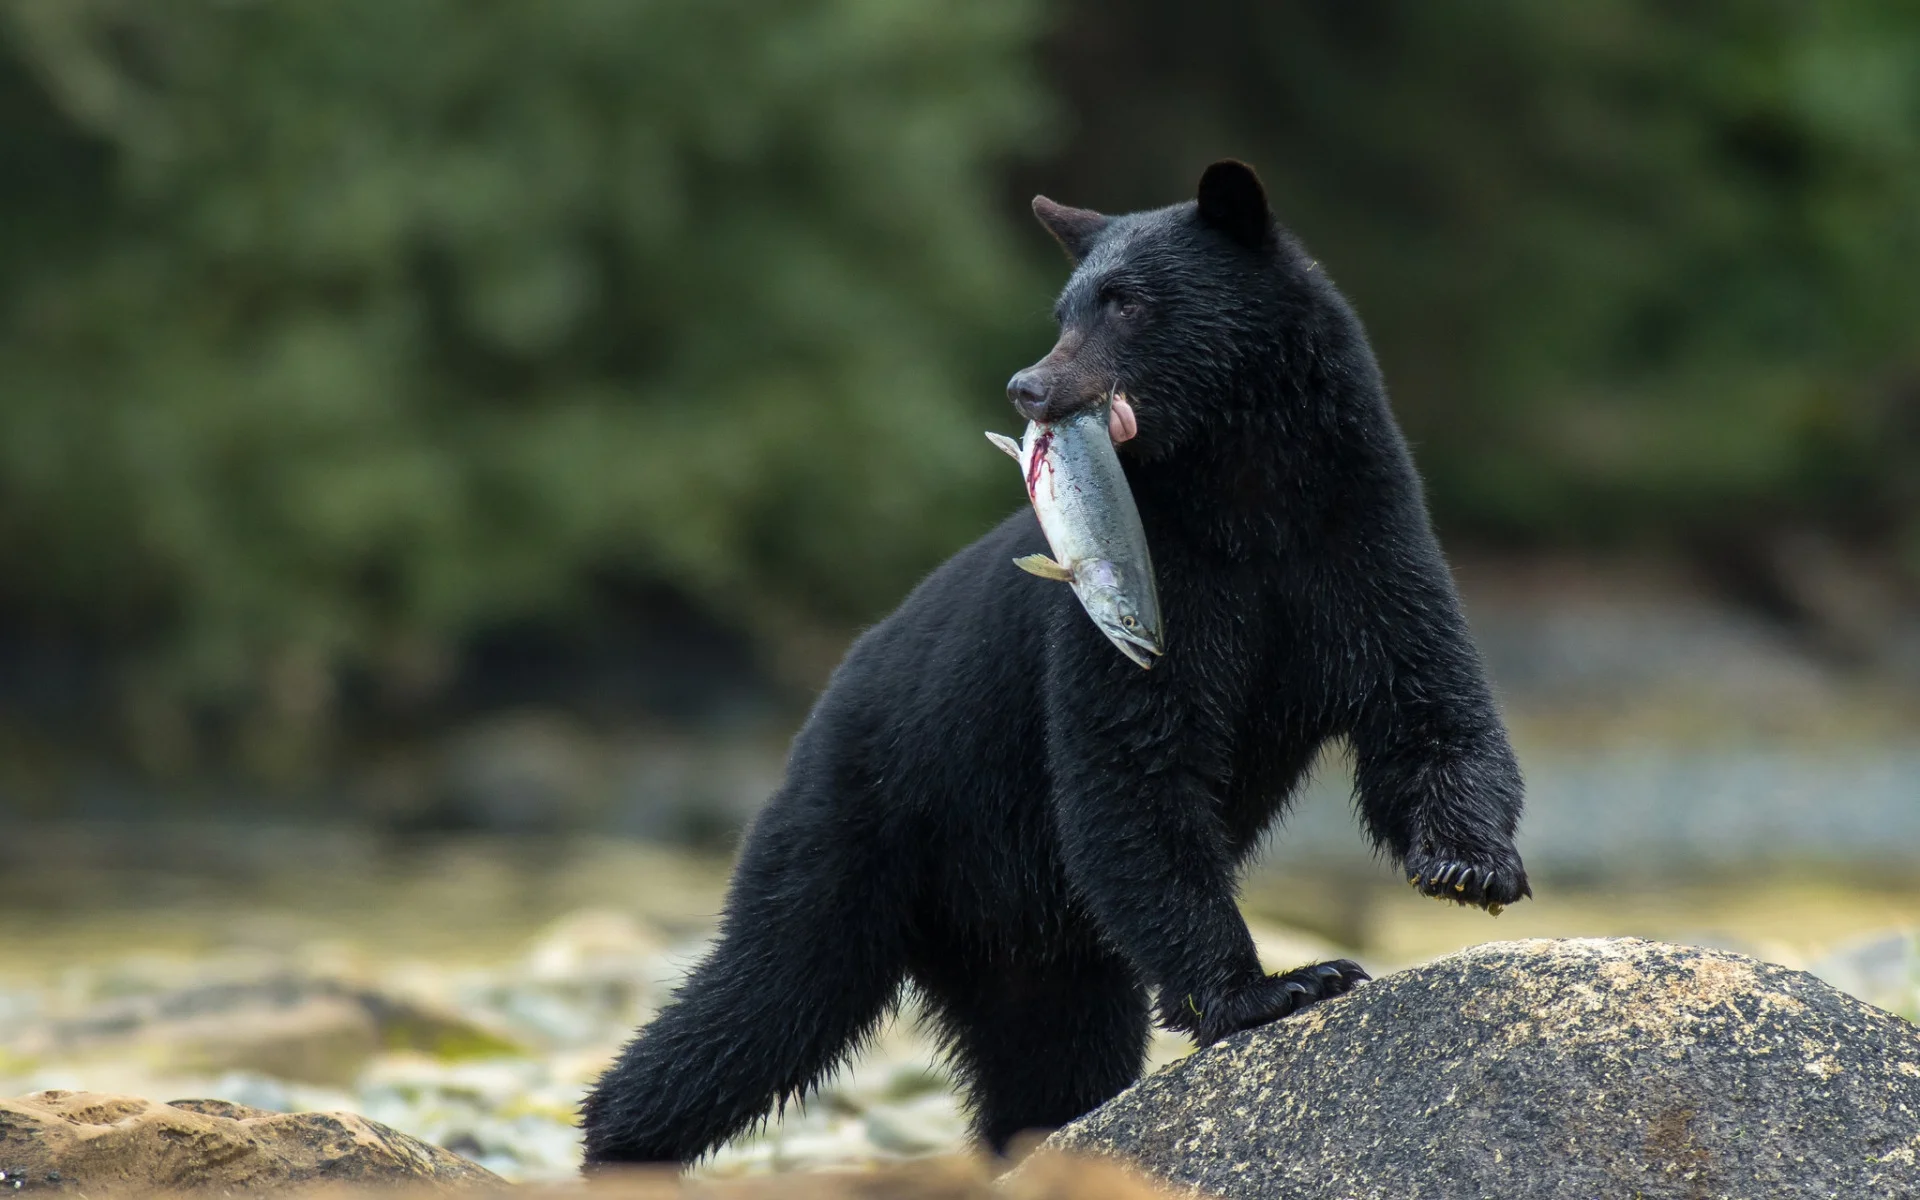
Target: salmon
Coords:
[[1086, 510]]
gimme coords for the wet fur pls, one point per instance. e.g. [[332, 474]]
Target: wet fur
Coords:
[[991, 804]]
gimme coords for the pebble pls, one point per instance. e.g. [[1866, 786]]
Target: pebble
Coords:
[[573, 999]]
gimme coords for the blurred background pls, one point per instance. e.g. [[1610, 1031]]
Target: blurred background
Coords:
[[444, 446]]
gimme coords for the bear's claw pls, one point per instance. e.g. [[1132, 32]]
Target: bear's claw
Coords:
[[1275, 997], [1491, 886]]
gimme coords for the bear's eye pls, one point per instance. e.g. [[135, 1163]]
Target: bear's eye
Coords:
[[1123, 306]]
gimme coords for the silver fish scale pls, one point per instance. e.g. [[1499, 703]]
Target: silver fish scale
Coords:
[[1086, 509]]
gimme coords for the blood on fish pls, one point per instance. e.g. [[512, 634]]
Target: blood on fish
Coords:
[[1033, 463]]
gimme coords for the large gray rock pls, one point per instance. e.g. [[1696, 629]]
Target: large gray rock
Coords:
[[1540, 1069]]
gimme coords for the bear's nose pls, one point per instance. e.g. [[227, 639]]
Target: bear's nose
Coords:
[[1029, 395]]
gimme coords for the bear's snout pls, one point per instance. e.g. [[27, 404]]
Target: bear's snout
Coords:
[[1029, 392], [1055, 388]]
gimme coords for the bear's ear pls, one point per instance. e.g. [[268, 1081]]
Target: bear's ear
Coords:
[[1232, 201], [1075, 229]]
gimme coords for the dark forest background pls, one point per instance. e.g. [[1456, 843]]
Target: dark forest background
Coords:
[[366, 365]]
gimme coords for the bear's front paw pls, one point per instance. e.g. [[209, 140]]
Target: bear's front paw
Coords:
[[1271, 998], [1489, 880]]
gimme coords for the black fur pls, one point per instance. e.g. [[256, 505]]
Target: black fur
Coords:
[[992, 804]]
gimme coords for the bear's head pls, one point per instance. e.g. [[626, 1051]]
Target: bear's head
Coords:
[[1176, 307]]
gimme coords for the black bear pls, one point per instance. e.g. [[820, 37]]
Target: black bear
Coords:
[[993, 805]]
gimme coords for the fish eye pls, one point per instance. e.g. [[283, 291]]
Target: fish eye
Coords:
[[1128, 621]]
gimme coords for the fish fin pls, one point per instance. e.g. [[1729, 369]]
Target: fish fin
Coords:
[[1044, 567], [1005, 443]]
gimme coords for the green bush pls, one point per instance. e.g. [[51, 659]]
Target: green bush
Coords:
[[1637, 271], [334, 332]]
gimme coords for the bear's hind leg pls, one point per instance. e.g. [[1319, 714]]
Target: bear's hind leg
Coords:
[[808, 963], [1037, 1045]]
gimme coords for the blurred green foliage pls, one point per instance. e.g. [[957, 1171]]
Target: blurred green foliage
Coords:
[[333, 330], [1636, 270], [332, 333]]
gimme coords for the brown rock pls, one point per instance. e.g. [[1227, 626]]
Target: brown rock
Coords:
[[1045, 1176], [97, 1144]]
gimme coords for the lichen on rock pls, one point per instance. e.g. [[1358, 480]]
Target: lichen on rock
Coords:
[[1542, 1069]]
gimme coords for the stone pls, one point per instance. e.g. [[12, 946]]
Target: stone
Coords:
[[289, 1026], [1542, 1069], [592, 944], [96, 1144], [946, 1177], [923, 1126], [1881, 968]]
